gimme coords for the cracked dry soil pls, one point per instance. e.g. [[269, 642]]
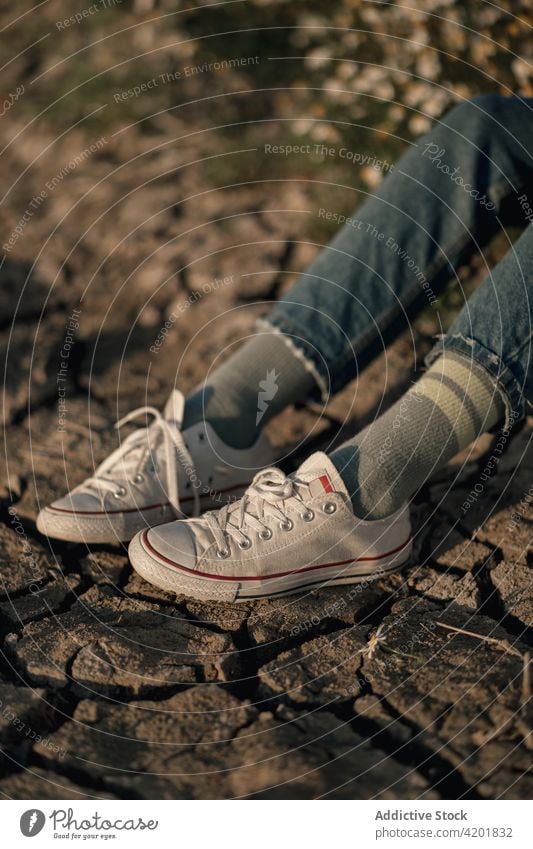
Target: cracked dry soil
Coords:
[[111, 688]]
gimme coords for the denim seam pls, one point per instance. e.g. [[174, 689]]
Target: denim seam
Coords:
[[514, 354], [521, 188]]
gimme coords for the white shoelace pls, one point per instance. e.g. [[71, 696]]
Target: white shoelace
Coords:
[[136, 449], [269, 495]]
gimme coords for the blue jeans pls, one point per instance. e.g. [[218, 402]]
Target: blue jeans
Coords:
[[469, 178]]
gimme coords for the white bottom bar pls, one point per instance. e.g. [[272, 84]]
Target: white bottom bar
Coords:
[[268, 824]]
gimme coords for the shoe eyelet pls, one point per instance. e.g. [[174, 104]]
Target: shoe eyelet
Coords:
[[245, 544], [138, 478], [119, 492], [329, 507], [265, 534], [222, 553], [201, 437], [286, 525], [308, 516]]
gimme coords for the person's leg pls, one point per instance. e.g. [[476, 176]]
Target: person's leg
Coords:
[[481, 371], [322, 525], [445, 197], [298, 532]]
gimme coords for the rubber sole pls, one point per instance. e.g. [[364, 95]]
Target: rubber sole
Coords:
[[325, 584], [174, 578]]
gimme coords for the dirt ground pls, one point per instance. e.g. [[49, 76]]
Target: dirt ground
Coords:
[[153, 229]]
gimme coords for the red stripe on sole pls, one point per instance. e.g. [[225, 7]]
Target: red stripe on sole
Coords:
[[149, 547]]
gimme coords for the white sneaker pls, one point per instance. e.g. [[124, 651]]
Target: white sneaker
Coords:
[[157, 473], [285, 535]]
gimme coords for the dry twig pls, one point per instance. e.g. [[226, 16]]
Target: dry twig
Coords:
[[505, 645]]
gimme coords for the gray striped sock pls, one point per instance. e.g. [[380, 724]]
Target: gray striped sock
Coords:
[[451, 405]]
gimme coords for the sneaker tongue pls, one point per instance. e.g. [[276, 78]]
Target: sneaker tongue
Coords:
[[322, 475]]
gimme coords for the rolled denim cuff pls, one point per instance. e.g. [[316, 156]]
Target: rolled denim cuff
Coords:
[[505, 380], [294, 337]]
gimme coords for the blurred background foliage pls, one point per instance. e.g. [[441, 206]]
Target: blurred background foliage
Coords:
[[389, 66]]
